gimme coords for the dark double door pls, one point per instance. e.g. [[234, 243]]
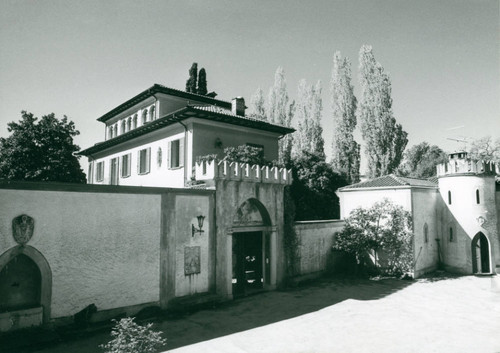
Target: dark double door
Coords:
[[480, 254], [247, 263]]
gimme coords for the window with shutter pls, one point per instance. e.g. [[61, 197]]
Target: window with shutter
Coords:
[[144, 161], [99, 173], [176, 153], [126, 165]]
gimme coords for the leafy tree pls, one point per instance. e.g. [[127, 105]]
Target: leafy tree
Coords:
[[130, 337], [313, 187], [385, 140], [258, 104], [308, 115], [420, 161], [485, 149], [279, 111], [193, 77], [346, 151], [202, 82], [40, 150], [384, 228]]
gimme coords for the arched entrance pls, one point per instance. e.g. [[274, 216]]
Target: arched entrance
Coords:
[[251, 249], [480, 254], [25, 281]]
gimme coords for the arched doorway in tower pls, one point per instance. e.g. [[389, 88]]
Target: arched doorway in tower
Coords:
[[251, 244], [480, 254]]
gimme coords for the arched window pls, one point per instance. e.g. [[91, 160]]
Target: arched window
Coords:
[[426, 233], [122, 127], [110, 132], [449, 197], [451, 234], [134, 122], [129, 124], [144, 116], [152, 113], [478, 200]]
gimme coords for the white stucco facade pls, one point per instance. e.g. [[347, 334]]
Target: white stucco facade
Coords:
[[455, 219]]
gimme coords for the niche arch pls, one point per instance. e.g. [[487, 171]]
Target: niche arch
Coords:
[[45, 273]]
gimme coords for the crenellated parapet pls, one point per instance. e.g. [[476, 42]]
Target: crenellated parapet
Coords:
[[465, 166], [216, 170]]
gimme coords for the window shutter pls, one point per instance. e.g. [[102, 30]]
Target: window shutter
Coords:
[[181, 152], [138, 162], [129, 164], [148, 159], [169, 147]]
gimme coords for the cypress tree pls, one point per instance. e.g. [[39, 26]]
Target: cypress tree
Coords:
[[191, 82], [202, 82]]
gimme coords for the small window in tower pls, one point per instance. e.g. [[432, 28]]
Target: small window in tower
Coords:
[[426, 233], [478, 200], [449, 197], [451, 234]]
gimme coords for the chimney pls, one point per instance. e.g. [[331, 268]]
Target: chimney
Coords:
[[238, 106]]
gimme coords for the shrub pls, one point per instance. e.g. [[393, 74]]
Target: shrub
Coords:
[[383, 228], [130, 337]]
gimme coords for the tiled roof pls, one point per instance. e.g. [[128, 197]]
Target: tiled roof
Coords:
[[157, 88], [228, 112], [200, 112], [388, 181]]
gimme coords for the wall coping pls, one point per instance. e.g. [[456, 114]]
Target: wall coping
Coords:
[[96, 188], [214, 169]]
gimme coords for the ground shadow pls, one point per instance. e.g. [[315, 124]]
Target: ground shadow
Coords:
[[234, 316]]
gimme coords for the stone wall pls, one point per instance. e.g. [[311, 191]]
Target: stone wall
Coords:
[[315, 245], [119, 248]]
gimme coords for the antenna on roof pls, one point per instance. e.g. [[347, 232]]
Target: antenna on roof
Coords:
[[462, 140]]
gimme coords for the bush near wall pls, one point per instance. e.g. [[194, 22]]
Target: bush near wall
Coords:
[[381, 235]]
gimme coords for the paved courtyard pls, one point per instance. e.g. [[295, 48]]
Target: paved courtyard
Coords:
[[441, 314]]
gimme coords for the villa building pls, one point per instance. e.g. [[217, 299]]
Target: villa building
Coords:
[[153, 139]]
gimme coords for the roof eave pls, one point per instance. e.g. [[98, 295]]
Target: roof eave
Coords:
[[156, 88]]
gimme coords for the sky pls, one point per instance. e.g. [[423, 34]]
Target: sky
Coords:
[[83, 58]]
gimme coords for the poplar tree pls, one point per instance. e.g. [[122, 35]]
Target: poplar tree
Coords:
[[345, 150], [316, 142], [202, 82], [193, 77], [385, 140], [280, 112], [258, 105], [308, 116]]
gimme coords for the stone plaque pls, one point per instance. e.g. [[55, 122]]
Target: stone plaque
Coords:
[[191, 260], [22, 228]]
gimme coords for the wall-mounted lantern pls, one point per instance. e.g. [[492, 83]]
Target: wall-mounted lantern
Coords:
[[200, 225]]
